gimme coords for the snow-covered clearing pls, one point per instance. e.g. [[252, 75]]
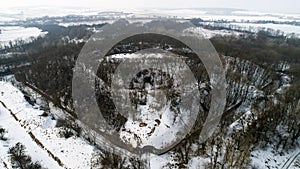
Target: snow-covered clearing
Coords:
[[207, 34], [287, 29], [221, 14], [13, 33]]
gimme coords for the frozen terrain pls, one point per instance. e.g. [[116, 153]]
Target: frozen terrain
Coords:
[[28, 126], [40, 134], [244, 18], [12, 33]]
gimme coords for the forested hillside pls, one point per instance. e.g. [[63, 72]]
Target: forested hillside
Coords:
[[262, 97]]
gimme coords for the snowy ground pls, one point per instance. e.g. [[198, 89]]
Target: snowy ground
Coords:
[[270, 158], [16, 133], [221, 14], [18, 13], [12, 33], [73, 152], [11, 14], [207, 34], [287, 29], [243, 18], [155, 123]]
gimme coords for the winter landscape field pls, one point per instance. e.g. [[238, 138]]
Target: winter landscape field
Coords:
[[154, 117]]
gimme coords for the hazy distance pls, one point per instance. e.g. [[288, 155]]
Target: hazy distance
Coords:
[[280, 6]]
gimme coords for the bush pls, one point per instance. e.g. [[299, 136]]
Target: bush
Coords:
[[19, 159], [68, 128], [2, 133]]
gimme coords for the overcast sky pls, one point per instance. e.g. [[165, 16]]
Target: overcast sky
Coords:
[[287, 6]]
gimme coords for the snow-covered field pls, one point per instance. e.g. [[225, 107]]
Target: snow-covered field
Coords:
[[13, 33], [207, 34], [246, 19], [220, 14], [73, 152], [287, 29], [13, 14], [17, 133], [85, 23], [243, 18]]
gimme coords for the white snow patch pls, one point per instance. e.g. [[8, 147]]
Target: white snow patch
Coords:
[[164, 161], [13, 33], [207, 34], [73, 152], [197, 163], [17, 133], [270, 158], [287, 29]]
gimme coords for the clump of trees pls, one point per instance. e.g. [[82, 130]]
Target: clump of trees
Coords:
[[2, 134], [69, 128], [20, 160], [259, 48], [105, 159], [279, 125]]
